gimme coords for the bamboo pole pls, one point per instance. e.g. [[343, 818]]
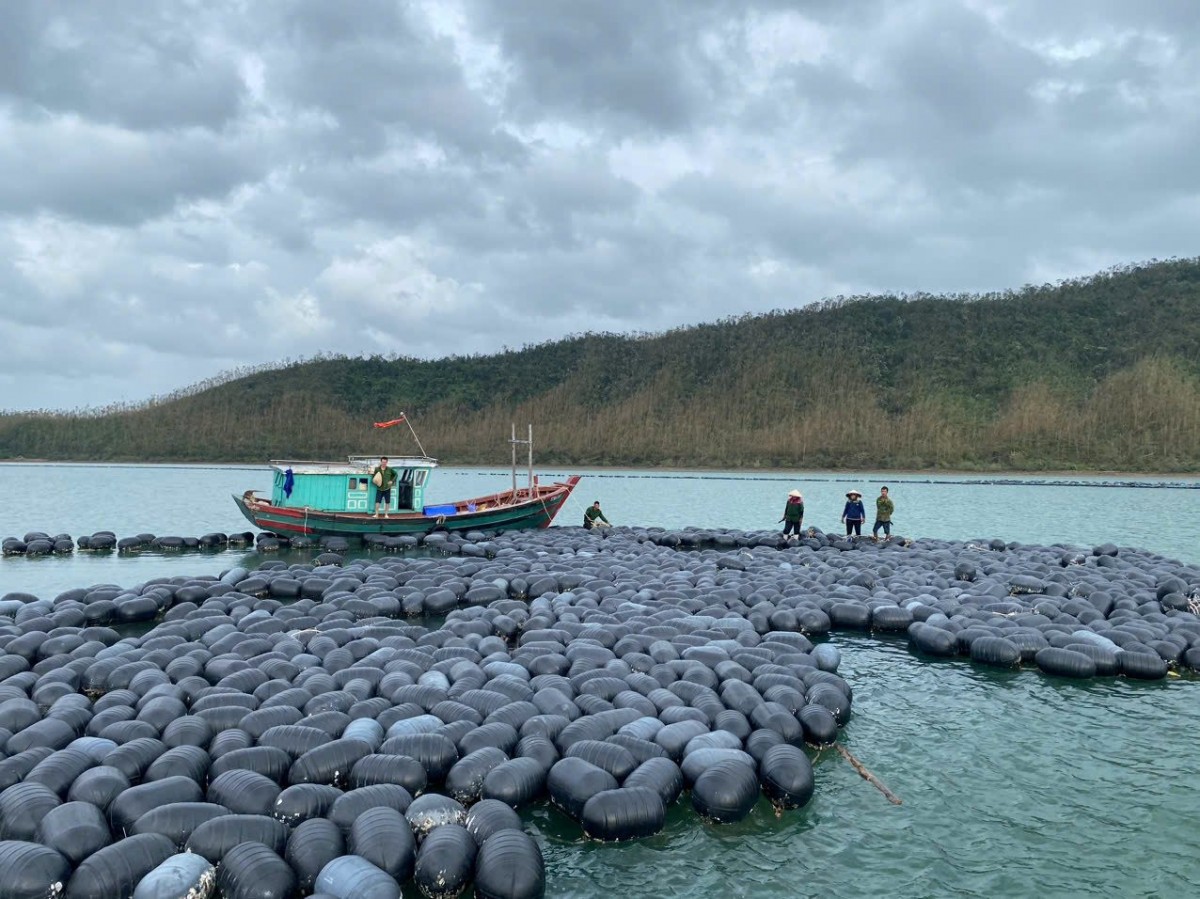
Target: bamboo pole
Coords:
[[867, 775]]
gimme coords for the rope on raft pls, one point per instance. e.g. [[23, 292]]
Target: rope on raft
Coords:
[[867, 775]]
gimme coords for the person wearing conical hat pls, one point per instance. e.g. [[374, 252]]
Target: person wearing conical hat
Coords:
[[793, 514], [854, 514]]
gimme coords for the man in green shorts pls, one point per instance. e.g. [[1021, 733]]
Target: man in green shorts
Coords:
[[884, 508], [384, 478]]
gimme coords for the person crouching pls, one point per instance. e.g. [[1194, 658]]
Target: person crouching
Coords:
[[594, 518]]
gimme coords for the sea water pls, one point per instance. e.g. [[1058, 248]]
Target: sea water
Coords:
[[1012, 783]]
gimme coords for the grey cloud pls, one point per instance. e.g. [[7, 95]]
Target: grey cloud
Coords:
[[960, 76], [197, 186], [1072, 20], [561, 201], [628, 62], [781, 223], [403, 199], [145, 67], [960, 106], [376, 72], [72, 167]]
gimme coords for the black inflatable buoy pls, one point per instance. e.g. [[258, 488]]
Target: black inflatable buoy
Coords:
[[510, 866], [627, 813], [787, 776], [726, 792]]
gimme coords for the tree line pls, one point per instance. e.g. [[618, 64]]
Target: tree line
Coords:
[[1094, 373]]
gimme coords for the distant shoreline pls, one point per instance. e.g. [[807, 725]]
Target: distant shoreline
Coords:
[[772, 471]]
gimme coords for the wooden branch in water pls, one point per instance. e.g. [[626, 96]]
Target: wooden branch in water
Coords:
[[867, 775]]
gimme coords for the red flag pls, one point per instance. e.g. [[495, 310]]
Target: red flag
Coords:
[[388, 424]]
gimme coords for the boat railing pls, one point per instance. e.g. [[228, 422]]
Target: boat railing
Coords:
[[394, 461]]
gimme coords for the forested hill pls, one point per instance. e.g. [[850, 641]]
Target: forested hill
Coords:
[[1099, 373]]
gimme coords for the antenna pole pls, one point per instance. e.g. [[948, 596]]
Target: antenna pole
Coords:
[[529, 443], [513, 441]]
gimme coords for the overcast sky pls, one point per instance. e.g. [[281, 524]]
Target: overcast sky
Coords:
[[189, 187]]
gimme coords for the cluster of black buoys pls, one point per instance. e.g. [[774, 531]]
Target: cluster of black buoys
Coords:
[[39, 543], [470, 543], [294, 730], [280, 730], [1069, 611]]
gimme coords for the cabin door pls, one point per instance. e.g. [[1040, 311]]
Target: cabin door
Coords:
[[404, 489]]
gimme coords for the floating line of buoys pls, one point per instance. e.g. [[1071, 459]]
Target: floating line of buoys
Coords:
[[306, 727], [39, 543]]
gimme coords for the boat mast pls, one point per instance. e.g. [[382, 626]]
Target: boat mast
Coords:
[[529, 442]]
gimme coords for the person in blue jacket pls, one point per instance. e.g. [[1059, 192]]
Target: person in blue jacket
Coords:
[[854, 514]]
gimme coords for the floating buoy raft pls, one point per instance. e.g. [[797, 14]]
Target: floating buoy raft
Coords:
[[352, 726]]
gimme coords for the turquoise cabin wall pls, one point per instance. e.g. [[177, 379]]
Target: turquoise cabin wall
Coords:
[[325, 491], [332, 493]]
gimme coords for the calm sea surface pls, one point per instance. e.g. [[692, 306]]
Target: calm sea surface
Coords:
[[1012, 784]]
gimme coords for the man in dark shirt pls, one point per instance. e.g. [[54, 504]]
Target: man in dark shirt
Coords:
[[594, 518]]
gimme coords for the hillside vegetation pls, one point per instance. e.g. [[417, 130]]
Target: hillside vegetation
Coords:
[[1097, 373]]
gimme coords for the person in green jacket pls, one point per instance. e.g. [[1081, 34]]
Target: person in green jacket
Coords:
[[793, 514], [884, 507], [594, 518], [384, 478]]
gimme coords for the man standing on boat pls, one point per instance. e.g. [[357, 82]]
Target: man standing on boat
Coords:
[[384, 477], [594, 518]]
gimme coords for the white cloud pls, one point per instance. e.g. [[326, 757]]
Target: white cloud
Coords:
[[390, 285], [298, 316], [59, 257]]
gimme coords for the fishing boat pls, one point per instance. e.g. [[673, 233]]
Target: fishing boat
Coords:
[[326, 498]]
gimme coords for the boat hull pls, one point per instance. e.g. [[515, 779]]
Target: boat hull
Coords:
[[493, 513]]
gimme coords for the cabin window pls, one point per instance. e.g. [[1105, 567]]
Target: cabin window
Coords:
[[357, 484], [421, 473]]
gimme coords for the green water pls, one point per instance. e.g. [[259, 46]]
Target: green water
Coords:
[[1013, 784]]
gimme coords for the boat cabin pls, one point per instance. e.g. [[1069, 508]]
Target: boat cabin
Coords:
[[347, 487]]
